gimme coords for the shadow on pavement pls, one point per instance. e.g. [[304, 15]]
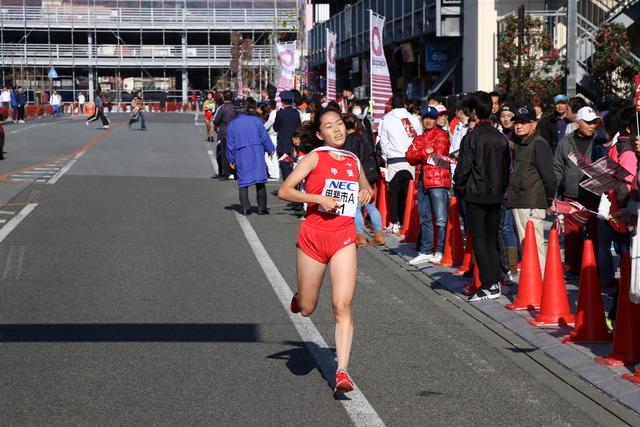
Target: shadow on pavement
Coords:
[[131, 332], [298, 359]]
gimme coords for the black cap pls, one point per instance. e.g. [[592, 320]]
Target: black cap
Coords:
[[509, 106], [525, 114], [286, 95]]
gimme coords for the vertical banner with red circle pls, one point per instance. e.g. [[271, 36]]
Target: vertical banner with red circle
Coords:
[[331, 65], [380, 80], [287, 57]]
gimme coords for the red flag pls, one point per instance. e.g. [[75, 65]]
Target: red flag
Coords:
[[573, 209]]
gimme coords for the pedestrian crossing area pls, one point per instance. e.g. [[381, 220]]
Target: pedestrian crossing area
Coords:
[[42, 174]]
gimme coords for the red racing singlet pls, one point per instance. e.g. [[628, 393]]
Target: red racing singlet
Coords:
[[337, 179]]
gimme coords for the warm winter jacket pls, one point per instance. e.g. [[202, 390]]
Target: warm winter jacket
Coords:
[[532, 184], [482, 173], [567, 172], [223, 116], [432, 176], [362, 147], [247, 142]]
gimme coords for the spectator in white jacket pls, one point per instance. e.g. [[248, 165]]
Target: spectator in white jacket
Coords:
[[396, 132], [56, 102]]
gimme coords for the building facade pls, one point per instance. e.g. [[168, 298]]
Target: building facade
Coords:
[[170, 45], [450, 46]]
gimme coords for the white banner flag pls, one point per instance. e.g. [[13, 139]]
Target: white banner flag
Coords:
[[287, 57], [331, 65], [380, 80]]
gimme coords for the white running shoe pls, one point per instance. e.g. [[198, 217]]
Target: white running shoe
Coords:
[[105, 127], [86, 123], [421, 258], [436, 258]]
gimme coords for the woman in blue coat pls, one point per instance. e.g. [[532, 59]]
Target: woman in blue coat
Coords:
[[247, 141]]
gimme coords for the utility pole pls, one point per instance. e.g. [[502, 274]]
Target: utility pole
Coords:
[[572, 58]]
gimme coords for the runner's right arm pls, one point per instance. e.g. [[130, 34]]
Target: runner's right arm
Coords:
[[289, 192]]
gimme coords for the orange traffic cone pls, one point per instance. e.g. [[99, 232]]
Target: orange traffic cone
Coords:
[[626, 335], [453, 247], [634, 378], [411, 221], [591, 326], [530, 284], [475, 284], [381, 200], [554, 306], [467, 257]]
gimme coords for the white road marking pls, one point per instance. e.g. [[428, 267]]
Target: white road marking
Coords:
[[20, 179], [45, 169], [63, 170], [15, 260], [214, 162], [17, 219], [7, 212], [38, 125], [358, 407], [2, 221]]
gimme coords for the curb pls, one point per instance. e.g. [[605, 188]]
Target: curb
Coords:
[[578, 358]]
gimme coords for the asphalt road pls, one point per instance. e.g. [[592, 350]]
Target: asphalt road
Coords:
[[131, 296]]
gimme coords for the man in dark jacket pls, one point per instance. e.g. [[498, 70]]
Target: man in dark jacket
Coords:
[[481, 178], [286, 123], [533, 183], [223, 116], [569, 176]]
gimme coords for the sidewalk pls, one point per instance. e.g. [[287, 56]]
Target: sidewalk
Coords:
[[577, 358]]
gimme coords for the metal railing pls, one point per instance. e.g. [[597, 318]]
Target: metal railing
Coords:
[[126, 55], [148, 18]]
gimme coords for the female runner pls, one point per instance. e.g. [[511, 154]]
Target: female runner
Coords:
[[328, 236], [209, 108]]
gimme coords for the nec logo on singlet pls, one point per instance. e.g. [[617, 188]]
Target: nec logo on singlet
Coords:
[[343, 185]]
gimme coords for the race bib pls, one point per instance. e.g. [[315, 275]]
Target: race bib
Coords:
[[345, 192]]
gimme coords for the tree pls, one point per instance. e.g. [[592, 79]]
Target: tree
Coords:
[[541, 68], [611, 65]]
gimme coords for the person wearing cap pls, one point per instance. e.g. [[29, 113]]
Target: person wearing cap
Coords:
[[569, 176], [481, 178], [508, 234], [286, 123], [433, 184], [532, 185], [560, 105], [443, 118]]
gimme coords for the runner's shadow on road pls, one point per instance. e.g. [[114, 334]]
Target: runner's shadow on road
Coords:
[[299, 361]]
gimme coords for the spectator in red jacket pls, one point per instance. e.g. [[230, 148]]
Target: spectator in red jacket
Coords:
[[433, 175]]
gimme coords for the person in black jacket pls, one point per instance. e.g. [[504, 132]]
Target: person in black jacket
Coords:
[[362, 147], [221, 119], [532, 186], [481, 178], [286, 123]]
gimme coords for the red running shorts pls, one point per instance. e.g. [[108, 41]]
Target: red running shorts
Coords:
[[322, 245]]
